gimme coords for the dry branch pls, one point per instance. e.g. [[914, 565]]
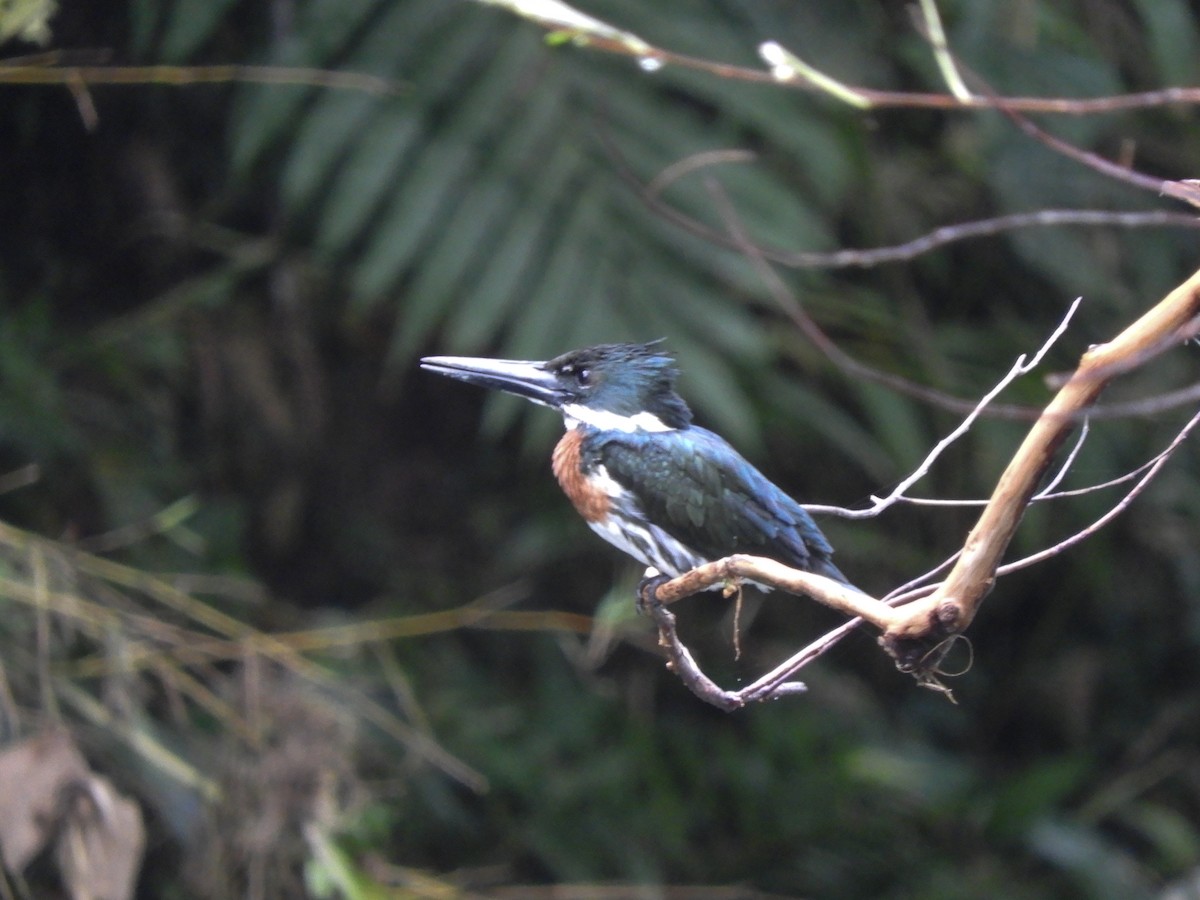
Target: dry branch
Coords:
[[566, 24], [917, 631], [740, 567], [950, 609]]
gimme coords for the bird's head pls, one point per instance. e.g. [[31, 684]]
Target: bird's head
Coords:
[[624, 386]]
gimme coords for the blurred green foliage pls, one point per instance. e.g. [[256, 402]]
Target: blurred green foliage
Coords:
[[219, 295]]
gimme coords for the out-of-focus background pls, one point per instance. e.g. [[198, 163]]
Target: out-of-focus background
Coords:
[[212, 429]]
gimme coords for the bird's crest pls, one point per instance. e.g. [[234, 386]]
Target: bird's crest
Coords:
[[625, 380]]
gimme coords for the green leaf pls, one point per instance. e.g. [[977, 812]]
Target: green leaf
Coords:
[[437, 177], [1172, 38], [364, 183], [189, 25], [329, 129]]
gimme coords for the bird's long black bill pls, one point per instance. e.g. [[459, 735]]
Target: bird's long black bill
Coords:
[[524, 378]]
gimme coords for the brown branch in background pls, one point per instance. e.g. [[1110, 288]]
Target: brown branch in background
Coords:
[[183, 76], [736, 238], [1090, 160], [849, 366], [979, 228], [1176, 190], [950, 609], [567, 25], [905, 251], [1148, 406], [930, 28]]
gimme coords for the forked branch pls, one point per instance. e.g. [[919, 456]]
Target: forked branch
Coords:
[[950, 609], [916, 633]]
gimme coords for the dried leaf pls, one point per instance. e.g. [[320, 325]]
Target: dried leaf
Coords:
[[34, 775], [100, 850], [47, 792]]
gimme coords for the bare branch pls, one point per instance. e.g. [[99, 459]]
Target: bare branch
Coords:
[[1021, 367], [1067, 464], [740, 567], [680, 661], [1149, 470], [788, 67], [953, 605], [906, 251], [76, 77], [733, 571], [568, 25]]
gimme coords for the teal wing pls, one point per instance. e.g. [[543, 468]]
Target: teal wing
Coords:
[[694, 486]]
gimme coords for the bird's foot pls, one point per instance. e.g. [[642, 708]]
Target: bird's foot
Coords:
[[647, 590]]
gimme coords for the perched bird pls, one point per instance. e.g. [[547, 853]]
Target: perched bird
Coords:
[[667, 492]]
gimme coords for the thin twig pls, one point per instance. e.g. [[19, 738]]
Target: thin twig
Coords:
[[1046, 493], [736, 237], [932, 22], [787, 67], [906, 251], [680, 661], [609, 39], [1142, 483], [186, 76], [1022, 366], [953, 605]]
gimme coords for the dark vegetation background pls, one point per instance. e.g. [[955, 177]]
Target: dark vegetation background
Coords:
[[211, 304]]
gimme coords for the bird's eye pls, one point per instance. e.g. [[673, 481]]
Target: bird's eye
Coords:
[[581, 375]]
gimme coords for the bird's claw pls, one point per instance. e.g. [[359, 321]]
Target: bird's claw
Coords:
[[647, 592]]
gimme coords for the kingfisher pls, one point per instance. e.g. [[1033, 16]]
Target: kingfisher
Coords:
[[669, 493]]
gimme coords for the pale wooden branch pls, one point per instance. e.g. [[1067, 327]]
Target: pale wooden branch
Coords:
[[732, 572], [950, 609], [1147, 472], [918, 628], [739, 568], [680, 661]]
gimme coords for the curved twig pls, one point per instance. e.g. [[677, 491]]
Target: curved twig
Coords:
[[954, 604]]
